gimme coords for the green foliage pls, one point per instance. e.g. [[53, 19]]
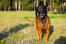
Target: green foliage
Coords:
[[30, 4], [57, 4], [27, 4], [1, 3], [4, 4]]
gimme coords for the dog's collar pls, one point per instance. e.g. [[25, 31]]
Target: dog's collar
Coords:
[[41, 14]]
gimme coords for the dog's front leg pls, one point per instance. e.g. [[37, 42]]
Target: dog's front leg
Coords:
[[40, 32], [37, 31], [47, 34]]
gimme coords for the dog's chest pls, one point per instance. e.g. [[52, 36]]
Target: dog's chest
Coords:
[[44, 23]]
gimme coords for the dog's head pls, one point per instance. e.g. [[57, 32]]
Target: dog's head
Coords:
[[42, 8]]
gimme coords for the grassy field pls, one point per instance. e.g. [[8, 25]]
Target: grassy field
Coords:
[[15, 29]]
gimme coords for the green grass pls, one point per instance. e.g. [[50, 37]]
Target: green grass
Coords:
[[14, 27]]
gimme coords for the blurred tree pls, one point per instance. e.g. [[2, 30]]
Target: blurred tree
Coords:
[[63, 1], [27, 4], [37, 2], [15, 5], [19, 5], [1, 4], [4, 4], [57, 5]]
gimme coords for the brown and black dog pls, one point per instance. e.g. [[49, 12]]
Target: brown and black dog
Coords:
[[42, 21]]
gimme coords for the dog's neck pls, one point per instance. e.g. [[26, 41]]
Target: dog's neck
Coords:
[[42, 16]]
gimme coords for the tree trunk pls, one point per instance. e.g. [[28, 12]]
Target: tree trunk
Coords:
[[16, 5], [19, 5], [60, 7], [50, 6], [11, 2], [37, 3], [4, 9], [34, 5], [22, 8], [9, 8], [63, 6]]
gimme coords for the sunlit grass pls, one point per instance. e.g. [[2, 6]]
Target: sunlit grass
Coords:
[[18, 28]]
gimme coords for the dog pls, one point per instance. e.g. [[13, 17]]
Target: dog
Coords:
[[42, 21]]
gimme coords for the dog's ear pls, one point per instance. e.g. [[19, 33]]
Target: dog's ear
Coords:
[[47, 3]]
